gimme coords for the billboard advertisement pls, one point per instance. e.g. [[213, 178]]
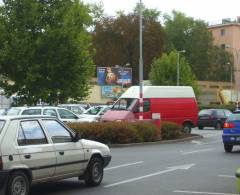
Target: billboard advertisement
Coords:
[[114, 76], [112, 91]]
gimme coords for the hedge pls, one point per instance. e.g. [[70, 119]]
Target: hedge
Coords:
[[171, 130], [118, 132]]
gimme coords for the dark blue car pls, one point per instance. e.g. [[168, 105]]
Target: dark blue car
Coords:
[[231, 132]]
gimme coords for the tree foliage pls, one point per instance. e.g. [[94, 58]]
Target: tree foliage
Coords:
[[164, 71], [45, 49], [116, 41], [184, 32]]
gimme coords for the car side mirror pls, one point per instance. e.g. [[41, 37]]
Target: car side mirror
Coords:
[[76, 138]]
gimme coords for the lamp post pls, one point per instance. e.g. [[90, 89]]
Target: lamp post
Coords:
[[237, 51], [231, 80], [178, 65], [140, 65]]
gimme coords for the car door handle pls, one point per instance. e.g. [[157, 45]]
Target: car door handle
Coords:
[[27, 156], [61, 153]]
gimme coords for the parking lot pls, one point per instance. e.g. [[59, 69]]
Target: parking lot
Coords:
[[193, 167]]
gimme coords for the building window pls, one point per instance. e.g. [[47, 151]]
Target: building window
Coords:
[[222, 32], [223, 46]]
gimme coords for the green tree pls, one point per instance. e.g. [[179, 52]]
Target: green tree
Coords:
[[164, 71], [45, 49], [116, 41], [184, 32]]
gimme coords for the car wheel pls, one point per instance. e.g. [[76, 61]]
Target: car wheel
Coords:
[[228, 148], [18, 184], [200, 127], [218, 126], [187, 128], [94, 173]]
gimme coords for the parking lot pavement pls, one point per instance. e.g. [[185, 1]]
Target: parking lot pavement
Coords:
[[200, 167]]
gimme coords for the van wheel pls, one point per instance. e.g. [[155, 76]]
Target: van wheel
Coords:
[[18, 184], [94, 173], [228, 148], [187, 128], [218, 126]]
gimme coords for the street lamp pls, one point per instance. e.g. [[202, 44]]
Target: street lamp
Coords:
[[140, 64], [231, 79], [237, 51], [178, 65]]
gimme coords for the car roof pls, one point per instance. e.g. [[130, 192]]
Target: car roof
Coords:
[[4, 117]]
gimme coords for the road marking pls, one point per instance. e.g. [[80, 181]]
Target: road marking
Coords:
[[197, 151], [204, 193], [170, 169], [227, 176], [196, 142], [215, 142], [124, 165]]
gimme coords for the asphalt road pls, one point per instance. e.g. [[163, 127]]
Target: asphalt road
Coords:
[[193, 167]]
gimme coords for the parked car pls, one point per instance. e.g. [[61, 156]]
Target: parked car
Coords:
[[231, 132], [76, 108], [94, 113], [212, 118], [38, 149], [62, 114], [168, 103]]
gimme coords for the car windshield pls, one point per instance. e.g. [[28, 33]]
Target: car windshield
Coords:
[[13, 111], [234, 117], [124, 104], [94, 110], [2, 122]]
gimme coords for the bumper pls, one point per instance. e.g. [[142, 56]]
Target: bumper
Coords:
[[106, 160], [3, 181], [231, 139]]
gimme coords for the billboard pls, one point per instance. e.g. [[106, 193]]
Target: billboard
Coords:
[[112, 91], [114, 76]]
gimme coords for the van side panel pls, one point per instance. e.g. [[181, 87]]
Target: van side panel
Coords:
[[178, 110]]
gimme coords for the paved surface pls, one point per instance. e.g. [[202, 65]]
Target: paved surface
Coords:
[[192, 167]]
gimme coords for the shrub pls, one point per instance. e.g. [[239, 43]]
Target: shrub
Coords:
[[171, 130], [117, 132]]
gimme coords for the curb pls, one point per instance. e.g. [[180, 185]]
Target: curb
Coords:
[[195, 136]]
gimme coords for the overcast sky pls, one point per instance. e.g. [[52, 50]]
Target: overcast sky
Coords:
[[208, 10]]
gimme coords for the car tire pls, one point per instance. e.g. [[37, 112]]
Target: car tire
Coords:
[[94, 173], [200, 127], [218, 126], [228, 148], [18, 184], [187, 128]]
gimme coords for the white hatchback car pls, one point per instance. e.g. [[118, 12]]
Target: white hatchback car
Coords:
[[40, 148], [62, 114]]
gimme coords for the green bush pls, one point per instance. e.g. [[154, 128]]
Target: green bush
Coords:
[[171, 130], [118, 132]]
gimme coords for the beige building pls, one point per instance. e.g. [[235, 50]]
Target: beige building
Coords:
[[227, 35]]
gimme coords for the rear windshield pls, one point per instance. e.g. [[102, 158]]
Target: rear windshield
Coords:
[[205, 112], [13, 111], [234, 117], [2, 123]]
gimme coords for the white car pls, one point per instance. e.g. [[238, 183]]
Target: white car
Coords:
[[62, 114], [38, 149], [94, 113]]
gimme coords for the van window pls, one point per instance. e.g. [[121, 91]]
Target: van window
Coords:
[[124, 104], [146, 106]]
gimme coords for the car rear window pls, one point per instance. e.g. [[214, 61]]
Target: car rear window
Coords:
[[234, 117], [13, 111], [205, 112], [2, 123]]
